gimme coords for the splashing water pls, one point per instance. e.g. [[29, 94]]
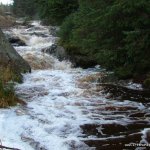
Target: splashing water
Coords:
[[66, 110]]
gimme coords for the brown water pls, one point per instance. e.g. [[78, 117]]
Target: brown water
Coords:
[[68, 108]]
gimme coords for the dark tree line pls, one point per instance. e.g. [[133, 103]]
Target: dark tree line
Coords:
[[113, 33], [25, 8]]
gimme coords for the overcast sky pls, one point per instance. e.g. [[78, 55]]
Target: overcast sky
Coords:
[[6, 1]]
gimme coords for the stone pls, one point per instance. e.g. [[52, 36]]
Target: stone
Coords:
[[11, 60], [53, 30], [15, 41], [83, 61], [57, 51]]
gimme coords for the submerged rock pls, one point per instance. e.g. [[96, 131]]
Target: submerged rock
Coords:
[[11, 60]]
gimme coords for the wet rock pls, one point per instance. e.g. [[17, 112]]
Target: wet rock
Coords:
[[53, 30], [15, 41], [148, 136], [34, 28], [115, 143], [20, 112], [107, 130], [36, 145], [74, 145], [56, 51], [39, 34], [102, 130], [147, 115], [33, 143], [9, 58], [50, 50], [83, 61], [60, 53], [137, 115], [124, 93]]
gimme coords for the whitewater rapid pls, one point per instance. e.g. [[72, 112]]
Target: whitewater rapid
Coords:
[[60, 99]]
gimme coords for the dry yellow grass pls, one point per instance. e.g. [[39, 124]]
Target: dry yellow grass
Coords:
[[7, 94], [6, 21]]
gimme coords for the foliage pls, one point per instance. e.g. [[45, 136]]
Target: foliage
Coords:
[[25, 8], [147, 83], [5, 8], [54, 11], [115, 32], [7, 94]]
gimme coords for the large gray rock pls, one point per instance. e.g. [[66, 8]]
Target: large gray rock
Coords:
[[9, 58], [57, 51]]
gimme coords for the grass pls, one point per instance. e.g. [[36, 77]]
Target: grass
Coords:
[[7, 96], [7, 92]]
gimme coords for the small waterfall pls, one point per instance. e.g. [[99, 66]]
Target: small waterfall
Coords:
[[36, 41], [39, 60]]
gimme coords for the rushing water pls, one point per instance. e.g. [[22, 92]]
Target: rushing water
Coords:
[[66, 109]]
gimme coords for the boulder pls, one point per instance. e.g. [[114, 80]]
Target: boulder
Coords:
[[57, 51], [15, 41], [53, 30], [11, 60], [83, 61]]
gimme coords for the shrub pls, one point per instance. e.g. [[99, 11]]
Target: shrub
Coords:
[[7, 93]]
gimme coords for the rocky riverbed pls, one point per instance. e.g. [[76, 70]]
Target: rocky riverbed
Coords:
[[70, 108]]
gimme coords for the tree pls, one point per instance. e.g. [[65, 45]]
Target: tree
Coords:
[[25, 8], [115, 33], [54, 11]]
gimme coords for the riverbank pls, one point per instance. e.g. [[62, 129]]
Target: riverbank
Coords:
[[11, 68], [7, 21]]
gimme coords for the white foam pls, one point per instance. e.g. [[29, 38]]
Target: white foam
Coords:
[[56, 105]]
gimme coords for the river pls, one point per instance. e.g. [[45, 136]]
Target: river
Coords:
[[66, 109]]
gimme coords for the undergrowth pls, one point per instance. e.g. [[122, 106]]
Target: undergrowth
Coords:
[[7, 92]]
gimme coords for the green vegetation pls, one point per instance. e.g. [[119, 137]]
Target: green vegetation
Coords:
[[7, 94], [147, 82], [55, 11], [114, 33], [25, 8], [5, 8]]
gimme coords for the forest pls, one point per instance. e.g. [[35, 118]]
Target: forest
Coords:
[[114, 33]]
